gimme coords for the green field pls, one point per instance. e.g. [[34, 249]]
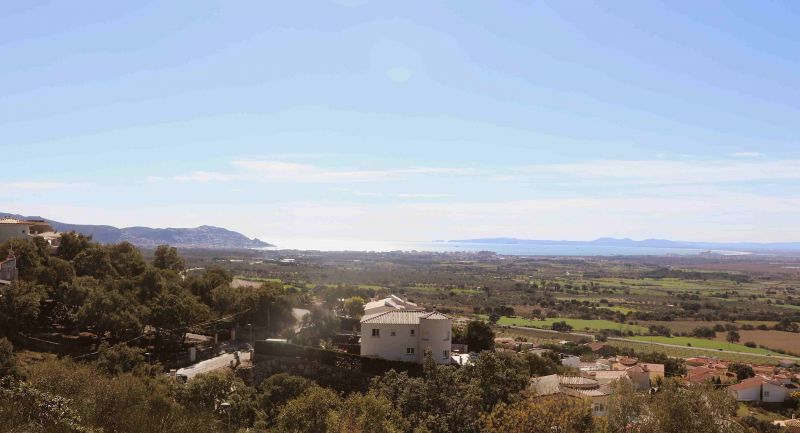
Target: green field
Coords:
[[705, 344], [577, 324], [688, 352]]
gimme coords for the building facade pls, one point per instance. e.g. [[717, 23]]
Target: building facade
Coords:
[[12, 228], [405, 335]]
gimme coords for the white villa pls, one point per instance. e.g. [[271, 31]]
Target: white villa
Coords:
[[388, 304], [12, 228], [404, 335]]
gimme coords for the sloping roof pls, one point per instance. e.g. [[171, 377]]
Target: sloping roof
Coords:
[[596, 346], [403, 317], [652, 368], [391, 301], [753, 382]]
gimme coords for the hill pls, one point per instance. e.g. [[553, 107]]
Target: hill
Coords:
[[197, 237], [651, 243]]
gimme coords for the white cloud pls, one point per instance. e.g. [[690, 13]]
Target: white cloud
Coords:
[[662, 171], [20, 187], [422, 195], [203, 176], [270, 170], [745, 154]]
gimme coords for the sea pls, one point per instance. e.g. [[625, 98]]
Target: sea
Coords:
[[499, 248]]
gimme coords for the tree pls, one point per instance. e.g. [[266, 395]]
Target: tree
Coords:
[[321, 324], [698, 409], [120, 358], [309, 412], [269, 306], [19, 306], [626, 407], [541, 415], [24, 408], [354, 306], [366, 413], [562, 326], [71, 244], [126, 259], [208, 391], [275, 391], [732, 337], [7, 362], [109, 311], [479, 336], [498, 377], [167, 257], [444, 400], [742, 371], [173, 313], [30, 256], [56, 274], [95, 262], [541, 365]]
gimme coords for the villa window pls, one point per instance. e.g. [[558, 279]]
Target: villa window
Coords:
[[376, 332], [409, 351], [446, 354], [766, 393], [412, 332], [393, 333]]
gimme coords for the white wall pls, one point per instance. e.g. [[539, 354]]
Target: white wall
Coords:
[[435, 335], [13, 231], [772, 393], [389, 346], [429, 334], [749, 394]]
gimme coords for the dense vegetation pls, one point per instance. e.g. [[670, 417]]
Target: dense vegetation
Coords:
[[135, 310]]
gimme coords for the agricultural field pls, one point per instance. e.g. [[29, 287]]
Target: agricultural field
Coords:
[[705, 344], [577, 324], [786, 341], [687, 326], [688, 352]]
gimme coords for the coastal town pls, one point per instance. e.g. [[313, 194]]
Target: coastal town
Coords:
[[341, 339]]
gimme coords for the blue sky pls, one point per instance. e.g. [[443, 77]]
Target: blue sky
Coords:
[[372, 120]]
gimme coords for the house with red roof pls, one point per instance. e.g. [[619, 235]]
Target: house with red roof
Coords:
[[759, 389]]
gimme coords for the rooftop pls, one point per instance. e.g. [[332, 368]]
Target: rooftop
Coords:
[[391, 301], [403, 317]]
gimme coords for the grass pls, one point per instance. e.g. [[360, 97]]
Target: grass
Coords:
[[432, 289], [705, 344], [688, 352], [577, 324]]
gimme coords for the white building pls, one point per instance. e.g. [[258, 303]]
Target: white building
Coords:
[[759, 389], [404, 335], [388, 304], [12, 228]]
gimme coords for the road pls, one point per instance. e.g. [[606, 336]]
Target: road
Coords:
[[213, 364], [630, 340]]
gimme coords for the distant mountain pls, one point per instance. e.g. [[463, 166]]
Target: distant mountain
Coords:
[[198, 237], [647, 243]]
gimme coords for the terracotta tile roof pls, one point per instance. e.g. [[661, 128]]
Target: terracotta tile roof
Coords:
[[403, 317], [596, 346], [753, 382]]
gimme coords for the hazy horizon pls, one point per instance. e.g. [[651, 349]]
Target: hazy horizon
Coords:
[[370, 121]]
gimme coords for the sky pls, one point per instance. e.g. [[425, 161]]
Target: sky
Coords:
[[413, 120]]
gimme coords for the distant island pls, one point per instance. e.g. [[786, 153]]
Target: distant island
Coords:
[[198, 237], [646, 243]]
